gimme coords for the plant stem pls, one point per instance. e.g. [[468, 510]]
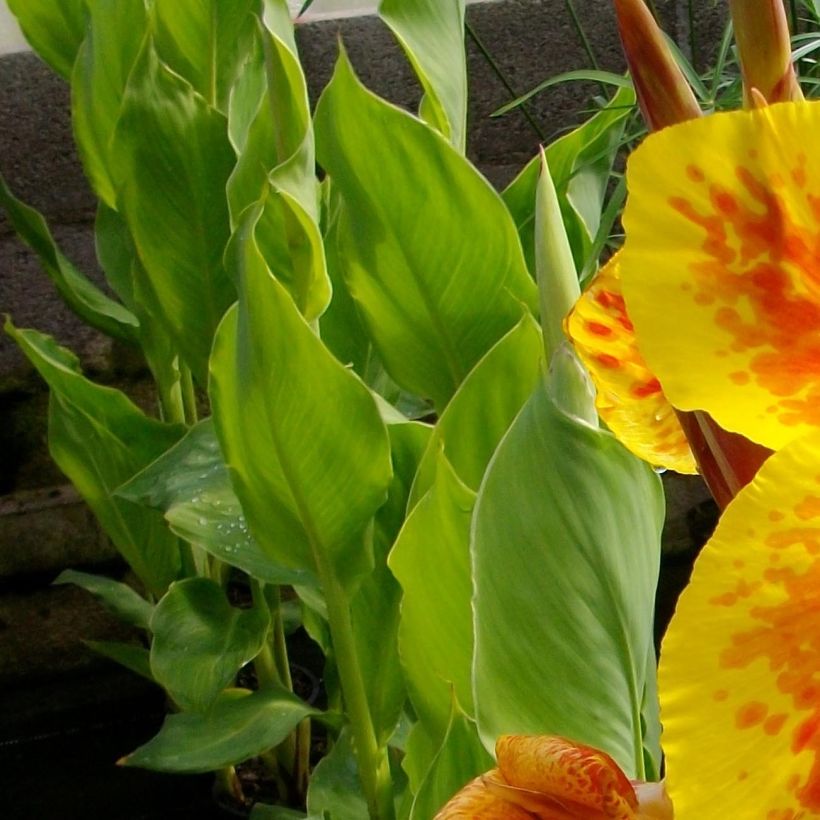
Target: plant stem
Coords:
[[576, 21], [188, 395], [496, 69], [374, 767]]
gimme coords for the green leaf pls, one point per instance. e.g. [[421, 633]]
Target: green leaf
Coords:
[[276, 135], [651, 720], [483, 408], [132, 657], [79, 293], [99, 439], [431, 560], [566, 548], [206, 42], [173, 161], [238, 727], [201, 641], [191, 485], [554, 267], [291, 245], [460, 758], [54, 30], [431, 256], [334, 785], [581, 75], [118, 258], [115, 34], [580, 163], [307, 451], [375, 607], [432, 35], [121, 599]]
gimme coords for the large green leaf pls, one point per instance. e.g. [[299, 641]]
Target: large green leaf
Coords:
[[118, 258], [121, 599], [201, 641], [54, 30], [483, 408], [274, 128], [431, 256], [206, 42], [173, 161], [431, 560], [80, 294], [115, 34], [291, 245], [239, 726], [335, 790], [580, 164], [432, 35], [459, 759], [375, 607], [99, 439], [566, 548], [191, 485], [307, 450]]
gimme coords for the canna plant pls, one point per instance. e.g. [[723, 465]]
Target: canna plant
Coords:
[[367, 412]]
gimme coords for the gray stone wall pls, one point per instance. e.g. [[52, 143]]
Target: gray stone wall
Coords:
[[43, 526]]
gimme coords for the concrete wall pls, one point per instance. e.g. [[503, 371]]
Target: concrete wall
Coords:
[[43, 524]]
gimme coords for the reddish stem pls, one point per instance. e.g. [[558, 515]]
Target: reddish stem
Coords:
[[727, 461]]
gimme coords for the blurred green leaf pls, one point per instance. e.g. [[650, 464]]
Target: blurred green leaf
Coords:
[[206, 42], [566, 549], [99, 439], [116, 32], [431, 560], [173, 161], [432, 35], [121, 599], [238, 727], [191, 485], [483, 408], [431, 257], [307, 451], [201, 641], [132, 657], [581, 75], [54, 30], [459, 759], [79, 293]]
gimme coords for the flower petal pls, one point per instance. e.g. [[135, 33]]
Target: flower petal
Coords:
[[578, 776], [629, 397], [721, 268], [476, 802], [740, 665]]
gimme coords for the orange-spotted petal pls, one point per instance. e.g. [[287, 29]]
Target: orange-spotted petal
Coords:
[[577, 776], [740, 664], [477, 802], [721, 268], [629, 397]]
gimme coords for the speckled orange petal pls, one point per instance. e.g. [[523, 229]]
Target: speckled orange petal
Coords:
[[721, 267], [476, 802], [629, 397], [567, 772], [740, 664]]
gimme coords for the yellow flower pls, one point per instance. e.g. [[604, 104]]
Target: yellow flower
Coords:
[[721, 277]]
